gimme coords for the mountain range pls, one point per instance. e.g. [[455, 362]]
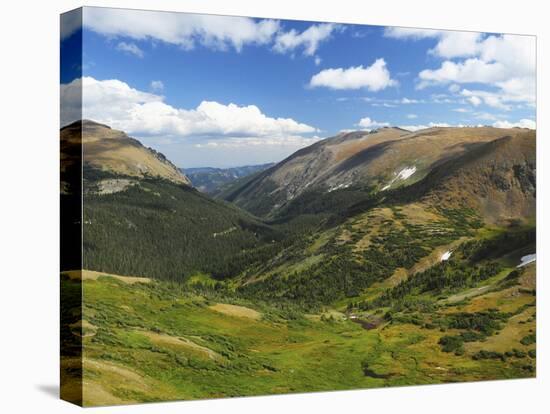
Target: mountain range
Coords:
[[210, 180], [367, 259], [135, 197], [385, 159]]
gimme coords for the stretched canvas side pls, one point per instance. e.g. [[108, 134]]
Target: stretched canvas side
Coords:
[[71, 322]]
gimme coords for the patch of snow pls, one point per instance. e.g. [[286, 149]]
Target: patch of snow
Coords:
[[446, 255], [223, 233], [525, 260], [338, 187], [406, 172], [401, 175]]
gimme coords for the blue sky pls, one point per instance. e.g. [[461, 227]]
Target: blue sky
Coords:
[[227, 91]]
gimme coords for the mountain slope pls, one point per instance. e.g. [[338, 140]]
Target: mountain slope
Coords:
[[113, 151], [157, 229], [141, 216], [382, 237], [496, 179], [307, 168], [386, 158]]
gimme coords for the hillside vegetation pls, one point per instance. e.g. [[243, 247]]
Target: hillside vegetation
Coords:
[[366, 260], [157, 229]]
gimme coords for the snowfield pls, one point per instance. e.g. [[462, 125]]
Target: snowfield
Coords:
[[401, 175], [525, 260]]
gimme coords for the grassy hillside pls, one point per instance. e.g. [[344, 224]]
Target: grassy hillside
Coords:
[[157, 341]]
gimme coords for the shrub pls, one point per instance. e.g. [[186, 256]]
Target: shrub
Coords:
[[529, 339]]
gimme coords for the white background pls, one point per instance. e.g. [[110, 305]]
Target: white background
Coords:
[[29, 212]]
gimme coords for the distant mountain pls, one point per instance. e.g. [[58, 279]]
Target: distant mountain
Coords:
[[383, 160], [211, 180]]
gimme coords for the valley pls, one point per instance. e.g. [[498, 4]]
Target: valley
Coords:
[[369, 259], [213, 180]]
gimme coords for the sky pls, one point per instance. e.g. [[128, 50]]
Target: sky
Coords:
[[223, 91]]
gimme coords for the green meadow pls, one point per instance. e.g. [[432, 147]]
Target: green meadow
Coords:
[[163, 341]]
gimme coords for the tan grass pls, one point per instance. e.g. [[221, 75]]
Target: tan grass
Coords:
[[236, 310], [93, 275], [181, 342]]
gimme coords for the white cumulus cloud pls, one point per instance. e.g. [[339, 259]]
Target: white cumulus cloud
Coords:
[[291, 141], [450, 43], [430, 125], [410, 33], [474, 100], [374, 78], [308, 40], [184, 30], [115, 103], [456, 44], [157, 86], [407, 101], [505, 63], [472, 70], [368, 124], [522, 123], [71, 21], [492, 99], [130, 48]]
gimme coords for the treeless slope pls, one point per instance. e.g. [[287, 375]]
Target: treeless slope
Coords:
[[93, 275], [423, 150], [497, 179], [236, 310], [113, 151], [386, 158], [306, 169]]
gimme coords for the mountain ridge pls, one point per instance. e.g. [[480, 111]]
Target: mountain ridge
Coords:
[[111, 150], [384, 159]]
